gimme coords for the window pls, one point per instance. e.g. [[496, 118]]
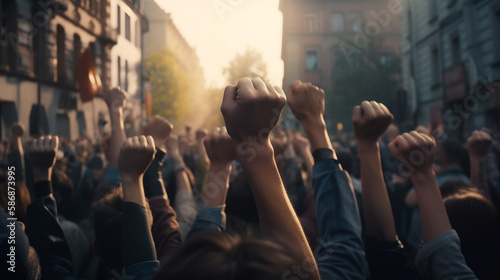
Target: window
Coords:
[[127, 26], [356, 21], [119, 72], [337, 21], [312, 60], [118, 19], [435, 66], [455, 50], [385, 60], [126, 76], [61, 50], [311, 23], [77, 48]]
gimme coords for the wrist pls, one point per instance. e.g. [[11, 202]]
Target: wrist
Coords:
[[367, 146], [422, 178], [42, 174], [247, 151]]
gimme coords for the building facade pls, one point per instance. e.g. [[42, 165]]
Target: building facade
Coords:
[[313, 32], [130, 23], [41, 43], [451, 63], [165, 34]]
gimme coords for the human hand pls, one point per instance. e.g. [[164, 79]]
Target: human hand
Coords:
[[200, 135], [307, 102], [43, 151], [219, 147], [252, 109], [479, 144], [159, 128], [370, 120], [17, 130], [115, 99], [172, 144], [415, 151], [135, 156]]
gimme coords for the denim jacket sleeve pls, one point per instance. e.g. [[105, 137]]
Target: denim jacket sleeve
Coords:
[[340, 253], [442, 259], [209, 219]]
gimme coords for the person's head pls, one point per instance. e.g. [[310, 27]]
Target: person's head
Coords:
[[224, 256], [451, 187], [24, 259], [449, 152], [477, 223], [107, 217], [22, 198]]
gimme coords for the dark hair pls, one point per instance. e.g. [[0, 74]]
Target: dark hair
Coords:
[[108, 214], [451, 187], [224, 256], [477, 223]]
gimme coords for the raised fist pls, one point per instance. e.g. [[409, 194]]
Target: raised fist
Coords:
[[43, 151], [159, 128], [307, 102], [17, 130], [201, 134], [479, 144], [115, 98], [251, 109], [370, 120], [415, 151], [136, 155], [219, 146]]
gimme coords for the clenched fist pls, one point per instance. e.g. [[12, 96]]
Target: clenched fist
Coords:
[[251, 109], [17, 130], [307, 102], [136, 155], [479, 144], [370, 120], [42, 152], [159, 128], [115, 99], [415, 151], [219, 147]]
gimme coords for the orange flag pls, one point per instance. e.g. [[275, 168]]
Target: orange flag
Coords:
[[87, 78]]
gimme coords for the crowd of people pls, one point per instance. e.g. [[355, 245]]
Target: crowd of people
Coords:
[[255, 199]]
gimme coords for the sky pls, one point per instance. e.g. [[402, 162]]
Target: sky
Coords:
[[220, 29]]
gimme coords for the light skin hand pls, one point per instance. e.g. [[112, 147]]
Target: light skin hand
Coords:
[[136, 154], [307, 103], [42, 154], [251, 110], [220, 151], [433, 214], [370, 120], [159, 128]]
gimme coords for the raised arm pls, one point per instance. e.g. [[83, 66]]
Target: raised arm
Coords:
[[370, 120], [115, 99], [341, 252], [441, 257], [138, 250], [478, 145], [251, 110], [16, 157]]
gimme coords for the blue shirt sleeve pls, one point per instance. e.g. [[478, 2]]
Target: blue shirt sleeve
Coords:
[[442, 259], [340, 254], [208, 219]]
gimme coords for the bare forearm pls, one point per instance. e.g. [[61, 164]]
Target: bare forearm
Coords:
[[479, 175], [133, 190], [377, 208], [277, 217], [433, 214], [214, 194], [317, 134], [117, 136]]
